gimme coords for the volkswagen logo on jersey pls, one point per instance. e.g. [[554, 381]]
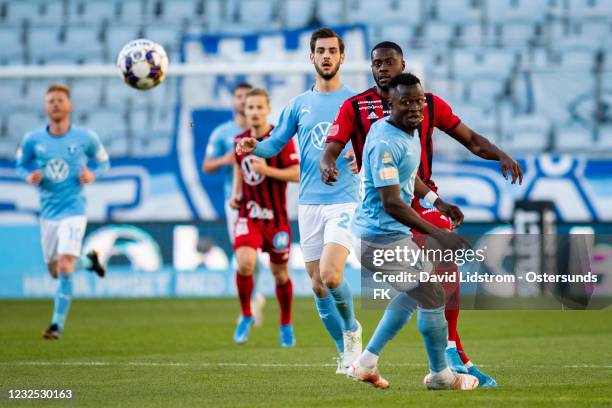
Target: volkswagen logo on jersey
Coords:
[[281, 240], [57, 170], [251, 177], [318, 134]]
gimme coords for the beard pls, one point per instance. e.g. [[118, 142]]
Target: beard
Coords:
[[327, 76]]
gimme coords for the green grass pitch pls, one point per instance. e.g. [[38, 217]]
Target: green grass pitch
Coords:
[[179, 353]]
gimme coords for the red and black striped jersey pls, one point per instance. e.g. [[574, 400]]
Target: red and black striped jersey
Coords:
[[357, 114], [264, 199]]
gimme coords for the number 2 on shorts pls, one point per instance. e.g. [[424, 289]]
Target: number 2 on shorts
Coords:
[[344, 220]]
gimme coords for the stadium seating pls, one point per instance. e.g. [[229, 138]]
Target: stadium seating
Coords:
[[472, 52]]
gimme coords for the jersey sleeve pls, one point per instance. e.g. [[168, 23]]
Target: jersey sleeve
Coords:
[[344, 125], [289, 155], [445, 119], [384, 162], [281, 134], [215, 147], [24, 158], [97, 153]]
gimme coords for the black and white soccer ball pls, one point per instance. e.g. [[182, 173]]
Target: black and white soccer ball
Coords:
[[143, 64]]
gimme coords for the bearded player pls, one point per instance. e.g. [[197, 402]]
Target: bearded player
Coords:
[[354, 120], [259, 195], [56, 159], [324, 213]]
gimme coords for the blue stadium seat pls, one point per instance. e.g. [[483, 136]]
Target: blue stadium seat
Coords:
[[43, 41], [382, 12], [330, 12], [604, 140], [516, 10], [573, 138], [297, 13], [167, 35], [438, 35], [83, 41], [92, 11], [19, 11], [258, 14], [21, 122], [591, 9], [457, 11], [515, 33], [110, 125], [473, 35], [86, 93], [119, 35], [11, 52], [529, 134], [483, 92], [132, 11], [176, 11], [400, 33], [577, 59]]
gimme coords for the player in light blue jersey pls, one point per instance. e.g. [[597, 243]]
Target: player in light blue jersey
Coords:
[[56, 158], [383, 221], [220, 156], [325, 211]]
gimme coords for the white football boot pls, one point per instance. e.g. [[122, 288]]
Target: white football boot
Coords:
[[352, 346], [369, 375], [447, 380]]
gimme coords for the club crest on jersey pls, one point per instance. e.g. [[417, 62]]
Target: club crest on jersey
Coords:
[[281, 240], [57, 170], [318, 134], [251, 177], [386, 158], [72, 149]]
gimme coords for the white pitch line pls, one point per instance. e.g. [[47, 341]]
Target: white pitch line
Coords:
[[257, 365]]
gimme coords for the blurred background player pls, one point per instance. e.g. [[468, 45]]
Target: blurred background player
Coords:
[[384, 219], [260, 195], [220, 156], [387, 62], [55, 159], [324, 213]]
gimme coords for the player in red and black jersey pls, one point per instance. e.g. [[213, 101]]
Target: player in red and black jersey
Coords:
[[259, 194], [353, 122]]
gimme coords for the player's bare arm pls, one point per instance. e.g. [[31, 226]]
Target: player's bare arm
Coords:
[[450, 210], [290, 174], [212, 164], [236, 188], [482, 147], [396, 207]]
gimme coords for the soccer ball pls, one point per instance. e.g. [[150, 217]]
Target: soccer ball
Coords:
[[143, 64]]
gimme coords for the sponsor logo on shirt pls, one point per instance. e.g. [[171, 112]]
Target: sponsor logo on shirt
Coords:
[[388, 173], [318, 134], [57, 170], [257, 212], [250, 176]]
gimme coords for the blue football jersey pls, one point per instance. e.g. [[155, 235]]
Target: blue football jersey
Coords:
[[221, 142], [390, 157], [310, 115], [60, 159]]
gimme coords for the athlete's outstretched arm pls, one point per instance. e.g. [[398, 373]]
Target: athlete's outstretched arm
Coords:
[[289, 174], [98, 154], [280, 136], [24, 159], [452, 211], [482, 147], [396, 207]]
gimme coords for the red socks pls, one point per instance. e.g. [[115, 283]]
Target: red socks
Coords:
[[284, 294], [245, 290]]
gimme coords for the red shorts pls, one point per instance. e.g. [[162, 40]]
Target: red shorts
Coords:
[[271, 239], [436, 218]]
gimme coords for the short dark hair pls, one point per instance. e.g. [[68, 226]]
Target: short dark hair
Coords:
[[406, 79], [242, 85], [388, 44], [325, 33]]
